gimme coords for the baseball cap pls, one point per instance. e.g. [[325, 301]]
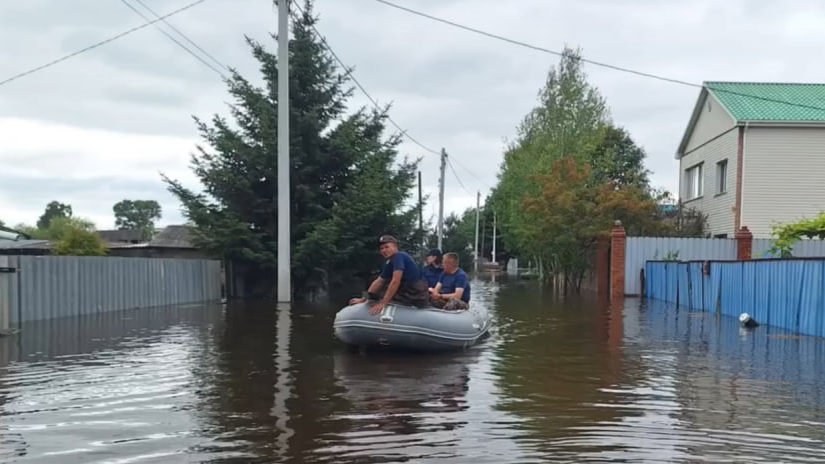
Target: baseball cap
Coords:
[[387, 239]]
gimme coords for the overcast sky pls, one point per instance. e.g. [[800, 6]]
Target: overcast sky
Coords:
[[98, 127]]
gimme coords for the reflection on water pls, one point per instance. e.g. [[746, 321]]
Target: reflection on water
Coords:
[[558, 381]]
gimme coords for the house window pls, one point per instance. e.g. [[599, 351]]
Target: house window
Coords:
[[722, 176], [693, 182]]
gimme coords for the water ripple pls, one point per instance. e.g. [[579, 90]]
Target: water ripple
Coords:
[[557, 382]]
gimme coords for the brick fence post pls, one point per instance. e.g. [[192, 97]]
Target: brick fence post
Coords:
[[618, 237], [744, 243]]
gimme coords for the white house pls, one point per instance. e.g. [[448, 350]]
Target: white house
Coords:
[[753, 155]]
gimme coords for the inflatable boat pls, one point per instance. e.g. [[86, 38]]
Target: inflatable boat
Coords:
[[410, 328]]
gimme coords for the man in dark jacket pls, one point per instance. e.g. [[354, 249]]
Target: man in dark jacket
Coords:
[[433, 269], [402, 278]]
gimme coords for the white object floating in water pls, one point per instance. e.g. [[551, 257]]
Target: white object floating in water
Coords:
[[746, 320]]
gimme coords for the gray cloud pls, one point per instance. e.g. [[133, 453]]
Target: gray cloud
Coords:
[[450, 88]]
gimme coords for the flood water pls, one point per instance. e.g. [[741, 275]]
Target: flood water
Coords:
[[558, 381]]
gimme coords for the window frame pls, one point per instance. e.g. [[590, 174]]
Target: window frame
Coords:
[[694, 183], [722, 176]]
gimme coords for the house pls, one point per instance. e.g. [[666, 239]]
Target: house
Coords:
[[172, 241], [121, 236], [753, 154]]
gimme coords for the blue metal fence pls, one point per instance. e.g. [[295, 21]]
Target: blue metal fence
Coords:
[[782, 293]]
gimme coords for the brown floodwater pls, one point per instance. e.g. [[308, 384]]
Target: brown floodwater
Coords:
[[559, 380]]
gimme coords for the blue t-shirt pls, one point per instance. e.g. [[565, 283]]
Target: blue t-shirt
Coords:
[[449, 282], [401, 262], [432, 274]]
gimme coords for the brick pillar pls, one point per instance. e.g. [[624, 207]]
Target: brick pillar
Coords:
[[602, 270], [617, 250], [744, 243]]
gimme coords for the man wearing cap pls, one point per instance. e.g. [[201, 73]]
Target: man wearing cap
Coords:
[[432, 271], [453, 290], [404, 283]]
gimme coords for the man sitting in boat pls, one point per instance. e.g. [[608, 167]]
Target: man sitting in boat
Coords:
[[432, 271], [402, 277], [453, 290]]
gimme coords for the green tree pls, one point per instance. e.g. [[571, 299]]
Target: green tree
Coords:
[[618, 160], [71, 236], [788, 234], [458, 236], [54, 209], [569, 120], [572, 213], [137, 215], [344, 190], [569, 146], [77, 241]]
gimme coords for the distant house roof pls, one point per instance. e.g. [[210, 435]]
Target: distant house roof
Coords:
[[129, 236], [19, 244], [176, 236], [761, 103]]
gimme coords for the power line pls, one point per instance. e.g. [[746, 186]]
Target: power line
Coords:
[[595, 63], [361, 87], [185, 37], [472, 174], [375, 103], [98, 44], [455, 174], [172, 38]]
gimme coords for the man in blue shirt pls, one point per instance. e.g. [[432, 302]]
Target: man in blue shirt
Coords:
[[453, 290], [432, 271], [401, 276]]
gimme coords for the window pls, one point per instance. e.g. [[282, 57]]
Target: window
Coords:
[[722, 176], [693, 182]]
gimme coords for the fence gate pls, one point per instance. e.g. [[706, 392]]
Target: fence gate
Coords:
[[8, 290]]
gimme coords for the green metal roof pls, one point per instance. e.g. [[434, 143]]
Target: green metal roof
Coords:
[[755, 101]]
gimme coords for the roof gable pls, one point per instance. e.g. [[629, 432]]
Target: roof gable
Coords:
[[765, 101], [761, 102]]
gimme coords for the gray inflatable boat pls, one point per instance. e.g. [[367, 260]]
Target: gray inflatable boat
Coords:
[[411, 328]]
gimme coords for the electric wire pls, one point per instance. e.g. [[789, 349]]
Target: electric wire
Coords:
[[185, 37], [593, 62], [455, 174], [169, 36], [404, 132], [361, 87], [98, 44]]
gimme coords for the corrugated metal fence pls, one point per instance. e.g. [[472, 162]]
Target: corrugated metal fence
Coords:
[[787, 293], [45, 287], [638, 250], [801, 249]]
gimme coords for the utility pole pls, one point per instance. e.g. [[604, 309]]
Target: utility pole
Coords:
[[478, 214], [421, 215], [494, 239], [284, 253], [441, 197], [483, 231]]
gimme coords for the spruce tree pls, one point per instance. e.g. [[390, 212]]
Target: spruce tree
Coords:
[[344, 189]]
